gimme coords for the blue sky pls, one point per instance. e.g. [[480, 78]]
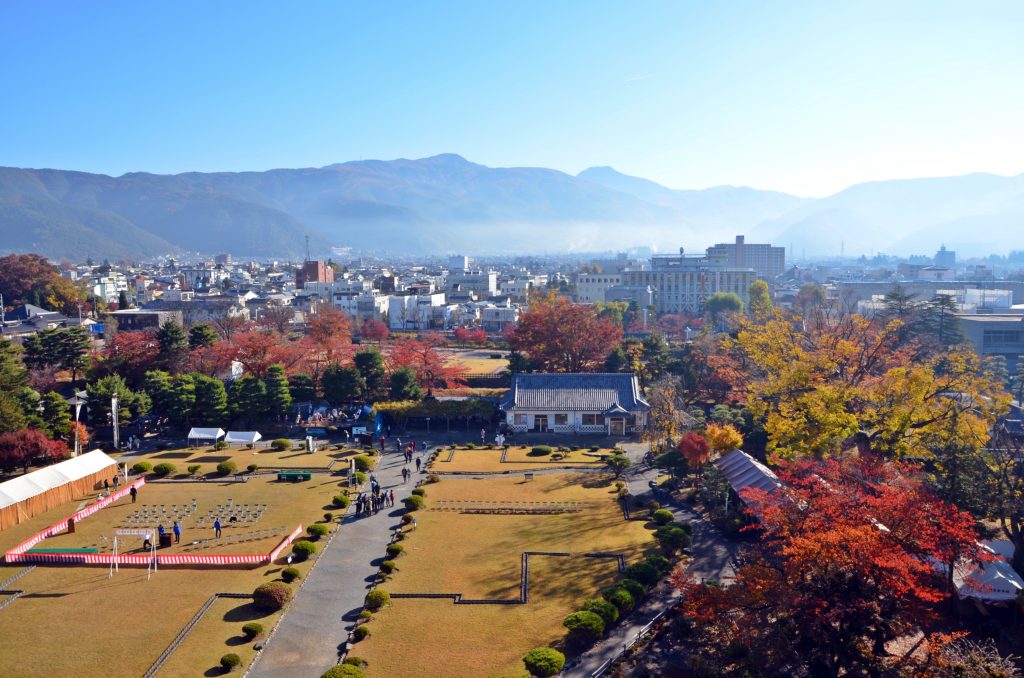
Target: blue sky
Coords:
[[802, 97]]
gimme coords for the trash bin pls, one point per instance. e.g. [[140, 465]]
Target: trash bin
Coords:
[[166, 540]]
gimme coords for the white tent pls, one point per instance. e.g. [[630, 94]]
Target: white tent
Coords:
[[206, 434], [38, 491], [246, 437]]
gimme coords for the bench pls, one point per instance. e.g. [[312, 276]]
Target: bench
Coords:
[[293, 476]]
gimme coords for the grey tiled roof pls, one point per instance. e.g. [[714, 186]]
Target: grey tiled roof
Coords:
[[575, 392], [744, 471]]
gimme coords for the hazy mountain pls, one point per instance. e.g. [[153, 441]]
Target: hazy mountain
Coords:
[[446, 203], [715, 213], [974, 214]]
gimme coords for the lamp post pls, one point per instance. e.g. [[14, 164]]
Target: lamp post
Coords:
[[113, 420]]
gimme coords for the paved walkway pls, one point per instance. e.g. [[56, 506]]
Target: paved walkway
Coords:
[[711, 556], [317, 624]]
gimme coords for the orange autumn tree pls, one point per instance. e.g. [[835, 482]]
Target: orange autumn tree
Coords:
[[561, 336], [845, 564], [422, 357], [696, 449], [328, 341], [723, 437]]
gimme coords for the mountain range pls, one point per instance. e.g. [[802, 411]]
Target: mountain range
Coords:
[[445, 203]]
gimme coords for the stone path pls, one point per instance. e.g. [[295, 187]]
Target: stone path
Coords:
[[711, 556], [308, 640]]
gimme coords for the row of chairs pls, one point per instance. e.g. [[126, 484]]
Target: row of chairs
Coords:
[[235, 538]]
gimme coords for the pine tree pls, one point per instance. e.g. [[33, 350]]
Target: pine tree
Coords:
[[56, 414], [211, 403], [122, 301], [370, 364], [279, 397], [202, 334], [183, 400], [157, 384], [404, 385], [301, 388], [173, 343], [342, 384], [249, 399]]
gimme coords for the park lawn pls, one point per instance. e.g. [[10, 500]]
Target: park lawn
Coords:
[[479, 365], [80, 621], [485, 562], [208, 458], [489, 461]]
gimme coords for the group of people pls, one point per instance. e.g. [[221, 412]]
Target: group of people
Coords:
[[161, 531], [377, 499]]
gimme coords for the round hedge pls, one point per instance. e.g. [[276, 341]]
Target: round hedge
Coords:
[[360, 632], [620, 598], [354, 661], [419, 492], [635, 588], [541, 451], [394, 549], [252, 630], [226, 468], [362, 462], [142, 467], [413, 502], [252, 468], [230, 661], [644, 572], [303, 549], [360, 477], [387, 567], [194, 469], [672, 538], [584, 627], [290, 574], [344, 671], [544, 662], [377, 598], [608, 612], [663, 516], [272, 596], [316, 530], [164, 469], [341, 501], [281, 444]]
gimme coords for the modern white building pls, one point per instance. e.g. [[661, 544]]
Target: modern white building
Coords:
[[591, 287]]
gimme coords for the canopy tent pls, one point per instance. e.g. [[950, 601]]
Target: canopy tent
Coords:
[[47, 488], [247, 437], [205, 434]]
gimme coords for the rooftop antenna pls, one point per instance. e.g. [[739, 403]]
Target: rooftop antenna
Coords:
[[307, 248]]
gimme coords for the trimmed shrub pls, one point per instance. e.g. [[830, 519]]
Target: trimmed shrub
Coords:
[[620, 598], [316, 530], [406, 518], [142, 467], [377, 598], [544, 662], [271, 597], [354, 661], [635, 588], [329, 517], [540, 451], [346, 670], [230, 661], [394, 549], [290, 574], [470, 446], [360, 632], [432, 478], [672, 538], [387, 567], [164, 469], [360, 477], [663, 516], [413, 503], [194, 469], [220, 445], [608, 612], [341, 501], [643, 572], [365, 615], [683, 525], [226, 468], [584, 627], [252, 468], [303, 549], [252, 630], [660, 563], [419, 492], [362, 462], [595, 448], [281, 444]]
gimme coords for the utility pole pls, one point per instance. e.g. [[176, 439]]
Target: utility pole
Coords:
[[78, 411], [113, 420]]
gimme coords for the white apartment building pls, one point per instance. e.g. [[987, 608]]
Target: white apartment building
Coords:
[[109, 287], [591, 287], [769, 261], [414, 311], [681, 283], [484, 283]]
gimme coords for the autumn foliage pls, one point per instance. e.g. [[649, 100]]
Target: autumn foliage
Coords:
[[723, 437], [560, 336], [28, 446], [845, 563]]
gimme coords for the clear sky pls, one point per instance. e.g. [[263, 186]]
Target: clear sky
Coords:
[[802, 97]]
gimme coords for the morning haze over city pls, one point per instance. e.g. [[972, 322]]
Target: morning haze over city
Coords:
[[579, 339]]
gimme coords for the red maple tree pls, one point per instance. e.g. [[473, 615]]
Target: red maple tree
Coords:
[[846, 563], [130, 354], [423, 358], [29, 446], [561, 336], [373, 330]]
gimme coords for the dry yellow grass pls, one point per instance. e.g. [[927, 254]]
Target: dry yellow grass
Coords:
[[479, 556], [79, 621], [518, 458], [208, 458]]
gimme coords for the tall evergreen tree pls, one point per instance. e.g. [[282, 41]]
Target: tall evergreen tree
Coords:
[[404, 385], [157, 384], [211, 403], [342, 384], [63, 348], [301, 388], [173, 343], [183, 401], [279, 398], [202, 334], [370, 364], [56, 415], [249, 399], [617, 360], [122, 301]]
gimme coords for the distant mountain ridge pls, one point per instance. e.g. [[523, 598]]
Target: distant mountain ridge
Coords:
[[445, 203]]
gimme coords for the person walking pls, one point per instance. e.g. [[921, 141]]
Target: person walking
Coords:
[[398, 444], [106, 486], [405, 474], [216, 528], [382, 439], [391, 497], [117, 481], [176, 528], [417, 464], [483, 436], [134, 492]]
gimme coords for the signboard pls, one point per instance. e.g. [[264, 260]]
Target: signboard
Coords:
[[316, 431], [358, 430]]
